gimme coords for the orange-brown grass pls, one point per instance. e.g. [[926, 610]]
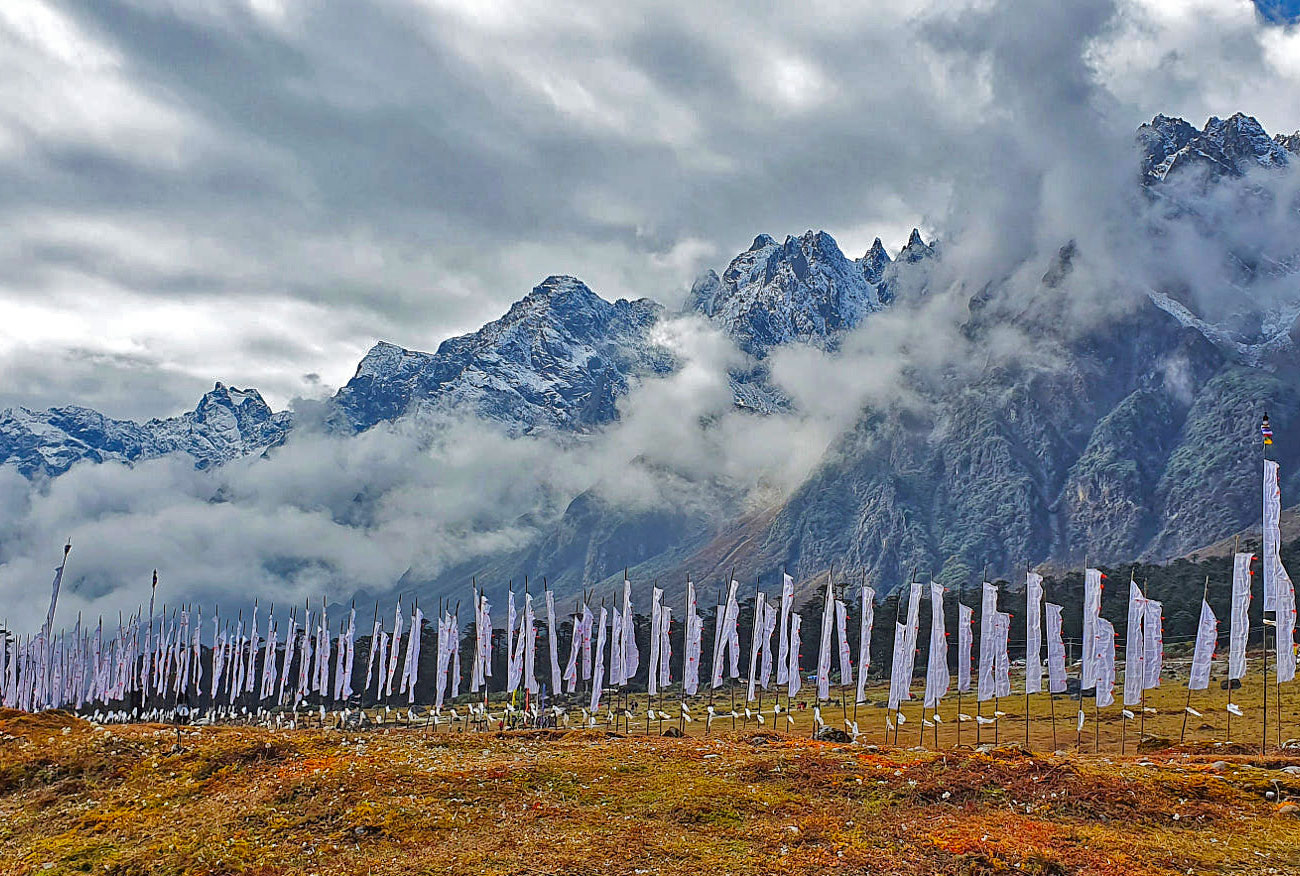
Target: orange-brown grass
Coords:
[[134, 800]]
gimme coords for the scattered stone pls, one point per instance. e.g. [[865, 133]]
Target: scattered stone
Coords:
[[674, 733], [832, 734]]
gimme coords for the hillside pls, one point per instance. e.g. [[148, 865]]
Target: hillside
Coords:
[[149, 799]]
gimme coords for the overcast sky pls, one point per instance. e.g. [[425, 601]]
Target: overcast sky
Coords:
[[256, 190]]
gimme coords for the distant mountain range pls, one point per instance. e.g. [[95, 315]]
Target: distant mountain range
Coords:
[[1104, 455]]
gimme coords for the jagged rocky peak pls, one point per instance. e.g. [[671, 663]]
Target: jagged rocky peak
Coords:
[[559, 358], [1289, 142], [226, 423], [804, 289], [1228, 147], [874, 262], [916, 248]]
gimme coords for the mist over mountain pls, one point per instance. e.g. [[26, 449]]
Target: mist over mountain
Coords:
[[1098, 399]]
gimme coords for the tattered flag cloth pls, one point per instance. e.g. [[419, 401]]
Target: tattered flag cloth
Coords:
[[792, 673], [864, 639], [656, 597], [1092, 579], [936, 673], [1001, 659], [1275, 576], [1134, 653], [552, 638], [769, 627], [1055, 650], [1286, 622], [897, 689], [1104, 651], [965, 638], [783, 640], [631, 656], [1207, 639], [1153, 639], [755, 644], [824, 652], [842, 634], [1033, 632], [1240, 621], [694, 643], [598, 680], [988, 642]]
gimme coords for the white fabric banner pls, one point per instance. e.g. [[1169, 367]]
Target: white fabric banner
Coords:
[[783, 641], [598, 668], [755, 644], [1033, 632], [824, 652], [867, 609], [1055, 650], [1207, 639], [793, 681], [842, 633], [1153, 639], [1274, 574], [652, 675], [965, 638], [769, 627], [985, 686], [693, 643], [1104, 652], [631, 656], [1239, 629], [897, 689], [552, 636], [1134, 648], [1001, 659], [937, 678], [1285, 630], [1091, 611]]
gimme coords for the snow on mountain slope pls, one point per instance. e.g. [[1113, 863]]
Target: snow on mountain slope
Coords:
[[560, 358], [226, 423]]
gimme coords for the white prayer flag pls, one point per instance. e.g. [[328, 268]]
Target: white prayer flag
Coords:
[[1240, 621], [1153, 639], [552, 636], [937, 678], [867, 610], [1033, 632], [598, 680], [1092, 587], [1104, 652], [1275, 576], [693, 644], [783, 642], [1207, 639], [1055, 650], [1134, 648], [965, 638], [794, 682], [986, 686], [824, 653]]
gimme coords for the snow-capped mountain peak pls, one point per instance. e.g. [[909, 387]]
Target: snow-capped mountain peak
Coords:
[[803, 289]]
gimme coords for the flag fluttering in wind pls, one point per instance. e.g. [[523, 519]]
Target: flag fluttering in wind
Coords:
[[694, 643], [1240, 620], [1104, 652], [866, 619], [965, 638], [1033, 632], [1134, 651], [1092, 585], [1207, 639], [1055, 650], [783, 640], [936, 673]]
